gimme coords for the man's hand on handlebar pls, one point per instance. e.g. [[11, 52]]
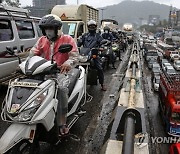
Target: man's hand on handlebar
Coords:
[[64, 68]]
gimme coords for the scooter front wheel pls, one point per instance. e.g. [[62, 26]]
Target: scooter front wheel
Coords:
[[25, 147]]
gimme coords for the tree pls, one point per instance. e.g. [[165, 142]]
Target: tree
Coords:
[[11, 2]]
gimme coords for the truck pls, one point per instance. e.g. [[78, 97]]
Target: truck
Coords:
[[111, 23], [129, 30], [169, 102], [75, 18]]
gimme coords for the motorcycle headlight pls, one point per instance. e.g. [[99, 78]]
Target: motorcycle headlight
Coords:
[[83, 59], [29, 111]]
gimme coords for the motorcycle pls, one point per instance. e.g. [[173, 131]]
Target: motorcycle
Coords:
[[31, 105], [116, 49], [88, 55], [107, 55]]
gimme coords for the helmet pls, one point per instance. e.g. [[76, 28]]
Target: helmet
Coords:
[[92, 26], [106, 28], [51, 21]]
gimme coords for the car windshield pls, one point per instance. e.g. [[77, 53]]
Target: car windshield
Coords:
[[175, 117], [156, 69], [177, 62], [152, 54], [69, 28]]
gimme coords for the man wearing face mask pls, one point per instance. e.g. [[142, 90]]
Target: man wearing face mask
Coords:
[[46, 46], [93, 40], [108, 36]]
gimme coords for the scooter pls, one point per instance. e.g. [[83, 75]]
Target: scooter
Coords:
[[31, 105], [116, 49]]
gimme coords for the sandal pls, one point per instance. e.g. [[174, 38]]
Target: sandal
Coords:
[[63, 130]]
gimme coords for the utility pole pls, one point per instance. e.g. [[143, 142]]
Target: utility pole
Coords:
[[77, 2]]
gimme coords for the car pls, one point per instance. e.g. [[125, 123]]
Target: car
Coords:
[[174, 55], [174, 148], [156, 81], [152, 39], [177, 65], [170, 70], [151, 62], [164, 65], [156, 70], [19, 31], [151, 54], [164, 61]]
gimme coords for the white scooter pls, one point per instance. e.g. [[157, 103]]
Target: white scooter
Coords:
[[31, 105]]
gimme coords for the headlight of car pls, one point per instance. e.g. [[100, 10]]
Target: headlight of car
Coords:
[[29, 111]]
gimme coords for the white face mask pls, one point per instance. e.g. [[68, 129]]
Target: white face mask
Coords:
[[50, 33], [106, 31]]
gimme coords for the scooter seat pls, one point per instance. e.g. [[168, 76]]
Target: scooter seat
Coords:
[[73, 78]]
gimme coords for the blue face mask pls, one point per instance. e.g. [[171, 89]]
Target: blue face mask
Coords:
[[50, 33]]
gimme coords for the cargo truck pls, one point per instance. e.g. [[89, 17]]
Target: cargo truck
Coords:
[[75, 18], [129, 30], [169, 102]]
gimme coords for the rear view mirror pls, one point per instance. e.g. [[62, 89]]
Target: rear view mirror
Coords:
[[65, 48], [10, 50]]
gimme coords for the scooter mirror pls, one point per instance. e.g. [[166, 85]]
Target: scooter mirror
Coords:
[[65, 48], [10, 50]]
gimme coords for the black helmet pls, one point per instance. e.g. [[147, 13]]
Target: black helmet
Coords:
[[107, 28], [52, 21]]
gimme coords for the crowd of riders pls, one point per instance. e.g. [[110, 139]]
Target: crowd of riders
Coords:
[[53, 37]]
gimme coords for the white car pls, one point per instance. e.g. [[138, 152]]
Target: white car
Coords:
[[170, 70], [164, 65], [151, 38], [174, 55], [156, 82], [177, 65]]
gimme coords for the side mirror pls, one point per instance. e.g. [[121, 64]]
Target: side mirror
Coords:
[[65, 48], [10, 50]]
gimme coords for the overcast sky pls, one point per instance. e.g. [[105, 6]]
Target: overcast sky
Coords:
[[102, 3]]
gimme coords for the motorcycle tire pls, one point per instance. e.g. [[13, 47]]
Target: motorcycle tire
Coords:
[[25, 147]]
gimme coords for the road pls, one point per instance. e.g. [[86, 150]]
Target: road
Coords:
[[154, 121], [83, 130]]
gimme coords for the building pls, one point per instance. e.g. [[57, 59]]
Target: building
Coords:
[[42, 7], [174, 17]]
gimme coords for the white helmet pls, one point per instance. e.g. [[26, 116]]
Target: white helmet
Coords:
[[92, 26], [92, 22]]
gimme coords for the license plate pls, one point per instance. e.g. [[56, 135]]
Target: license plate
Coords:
[[24, 84]]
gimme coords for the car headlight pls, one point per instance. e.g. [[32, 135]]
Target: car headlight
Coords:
[[29, 111]]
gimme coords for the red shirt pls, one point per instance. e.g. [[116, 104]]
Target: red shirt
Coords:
[[42, 48]]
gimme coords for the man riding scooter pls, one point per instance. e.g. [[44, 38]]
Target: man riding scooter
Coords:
[[93, 40], [108, 36], [46, 46]]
